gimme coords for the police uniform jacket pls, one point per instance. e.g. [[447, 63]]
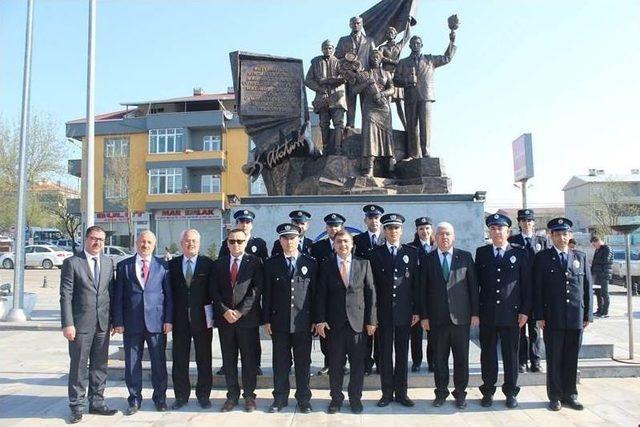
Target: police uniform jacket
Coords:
[[322, 250], [362, 244], [288, 302], [397, 284], [505, 285], [562, 297], [538, 243], [255, 246]]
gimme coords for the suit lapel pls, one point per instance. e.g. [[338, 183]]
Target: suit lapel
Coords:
[[455, 261], [87, 269]]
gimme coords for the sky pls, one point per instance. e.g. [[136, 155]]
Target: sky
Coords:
[[564, 71]]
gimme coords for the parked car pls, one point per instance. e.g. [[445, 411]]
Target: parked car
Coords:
[[117, 253], [619, 266], [67, 245], [45, 256]]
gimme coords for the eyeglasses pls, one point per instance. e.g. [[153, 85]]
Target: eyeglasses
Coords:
[[235, 241]]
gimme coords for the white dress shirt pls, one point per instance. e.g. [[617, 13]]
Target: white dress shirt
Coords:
[[449, 257], [503, 249], [90, 262]]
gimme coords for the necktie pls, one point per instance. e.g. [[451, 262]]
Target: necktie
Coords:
[[374, 240], [145, 270], [291, 265], [393, 252], [445, 266], [96, 271], [188, 274], [425, 247], [527, 242], [563, 260], [301, 245], [343, 273], [498, 254], [234, 271]]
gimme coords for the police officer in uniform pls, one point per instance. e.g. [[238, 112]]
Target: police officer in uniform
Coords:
[[287, 306], [255, 246], [363, 243], [321, 250], [396, 276], [301, 219], [530, 336], [563, 308], [504, 280], [423, 242]]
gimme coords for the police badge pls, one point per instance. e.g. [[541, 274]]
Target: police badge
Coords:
[[254, 249], [512, 259], [538, 247], [576, 263], [406, 259], [304, 270]]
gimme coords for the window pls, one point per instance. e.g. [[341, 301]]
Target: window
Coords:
[[166, 140], [165, 181], [212, 143], [116, 147], [210, 184], [115, 188]]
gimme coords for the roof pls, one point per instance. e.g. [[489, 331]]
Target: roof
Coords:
[[195, 98], [579, 180], [114, 115]]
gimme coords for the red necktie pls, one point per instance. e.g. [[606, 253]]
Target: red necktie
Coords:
[[234, 271], [145, 270]]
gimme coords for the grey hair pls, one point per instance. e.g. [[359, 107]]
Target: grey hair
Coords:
[[189, 230], [445, 225], [147, 232]]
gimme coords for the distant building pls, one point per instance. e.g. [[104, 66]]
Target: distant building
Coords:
[[596, 199]]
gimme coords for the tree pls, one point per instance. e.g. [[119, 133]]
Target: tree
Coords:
[[612, 200], [46, 154], [68, 222]]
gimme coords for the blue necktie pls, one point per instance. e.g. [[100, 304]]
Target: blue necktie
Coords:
[[498, 254], [291, 265], [563, 260]]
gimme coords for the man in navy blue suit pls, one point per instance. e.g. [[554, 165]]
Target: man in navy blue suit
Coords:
[[143, 311]]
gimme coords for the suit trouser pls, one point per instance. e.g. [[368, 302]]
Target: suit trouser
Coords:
[[181, 356], [562, 347], [88, 355], [393, 376], [343, 341], [234, 339], [450, 338], [418, 115], [283, 344], [133, 351], [602, 298], [531, 345], [416, 346], [509, 341]]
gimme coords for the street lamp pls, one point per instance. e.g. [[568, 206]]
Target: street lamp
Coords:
[[627, 229]]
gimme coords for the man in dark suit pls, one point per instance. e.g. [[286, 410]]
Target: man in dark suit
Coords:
[[358, 45], [287, 307], [530, 336], [254, 246], [423, 242], [363, 243], [301, 219], [235, 287], [504, 278], [143, 312], [192, 320], [450, 307], [396, 275], [562, 307], [86, 282], [321, 250], [601, 274], [345, 311]]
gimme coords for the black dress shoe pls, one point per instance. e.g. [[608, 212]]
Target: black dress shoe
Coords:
[[103, 410], [405, 401], [161, 407], [430, 368], [323, 371], [367, 372], [573, 404], [512, 402], [75, 417], [356, 406], [220, 371], [384, 401], [535, 368], [461, 402], [132, 409], [438, 402], [276, 407], [415, 368], [177, 404], [259, 371], [304, 407], [555, 405], [523, 368], [334, 407], [204, 403], [486, 401]]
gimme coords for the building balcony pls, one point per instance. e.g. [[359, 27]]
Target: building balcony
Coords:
[[185, 201], [188, 159]]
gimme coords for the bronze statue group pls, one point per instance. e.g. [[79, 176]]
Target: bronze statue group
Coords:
[[366, 297]]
